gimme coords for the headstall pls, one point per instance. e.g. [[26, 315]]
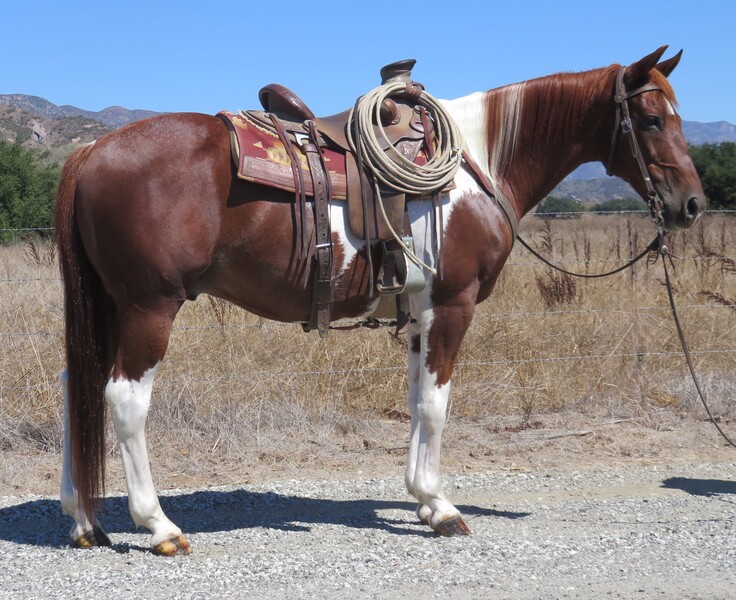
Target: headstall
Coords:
[[623, 122]]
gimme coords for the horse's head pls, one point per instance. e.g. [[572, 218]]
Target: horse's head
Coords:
[[647, 124]]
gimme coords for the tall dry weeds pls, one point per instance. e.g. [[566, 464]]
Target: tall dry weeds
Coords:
[[232, 380]]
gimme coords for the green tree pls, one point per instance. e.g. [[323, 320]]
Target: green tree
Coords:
[[27, 189], [619, 205], [552, 206], [716, 165]]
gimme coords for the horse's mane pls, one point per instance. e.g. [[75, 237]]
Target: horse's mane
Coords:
[[546, 108]]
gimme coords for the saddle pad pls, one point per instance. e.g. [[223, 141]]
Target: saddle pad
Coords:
[[262, 158]]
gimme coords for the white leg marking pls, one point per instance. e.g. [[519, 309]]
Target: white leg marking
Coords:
[[129, 402], [428, 406], [67, 492], [411, 462]]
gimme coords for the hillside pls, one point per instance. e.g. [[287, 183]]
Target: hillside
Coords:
[[594, 190], [57, 130], [41, 124], [113, 116], [57, 136]]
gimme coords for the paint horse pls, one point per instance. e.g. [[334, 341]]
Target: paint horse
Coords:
[[152, 215]]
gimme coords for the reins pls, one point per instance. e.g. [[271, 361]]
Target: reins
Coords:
[[686, 351], [655, 204], [650, 248]]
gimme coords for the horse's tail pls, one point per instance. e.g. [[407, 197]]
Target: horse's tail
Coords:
[[86, 339]]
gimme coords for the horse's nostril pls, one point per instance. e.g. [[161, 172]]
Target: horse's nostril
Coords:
[[693, 207]]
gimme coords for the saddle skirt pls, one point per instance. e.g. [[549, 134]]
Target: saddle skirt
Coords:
[[262, 158]]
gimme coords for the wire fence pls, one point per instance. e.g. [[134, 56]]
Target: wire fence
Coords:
[[517, 347]]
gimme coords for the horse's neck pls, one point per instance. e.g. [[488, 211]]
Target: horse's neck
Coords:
[[529, 136]]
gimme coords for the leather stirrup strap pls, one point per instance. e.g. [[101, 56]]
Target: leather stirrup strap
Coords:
[[302, 240], [322, 291], [366, 191]]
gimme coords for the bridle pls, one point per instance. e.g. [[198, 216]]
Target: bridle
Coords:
[[623, 123], [655, 203], [654, 200]]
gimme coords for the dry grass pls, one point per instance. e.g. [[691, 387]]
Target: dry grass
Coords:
[[236, 385]]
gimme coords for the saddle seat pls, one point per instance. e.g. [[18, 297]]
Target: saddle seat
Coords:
[[285, 104]]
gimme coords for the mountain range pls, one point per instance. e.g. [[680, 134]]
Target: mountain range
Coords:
[[39, 123], [113, 116]]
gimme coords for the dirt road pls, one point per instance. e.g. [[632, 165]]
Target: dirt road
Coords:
[[658, 531]]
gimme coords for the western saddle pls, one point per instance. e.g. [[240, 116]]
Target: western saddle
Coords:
[[278, 145]]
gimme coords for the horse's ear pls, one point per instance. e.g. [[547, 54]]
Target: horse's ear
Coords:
[[638, 72], [667, 66]]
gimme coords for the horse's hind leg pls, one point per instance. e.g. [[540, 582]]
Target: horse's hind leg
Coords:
[[144, 336], [86, 531]]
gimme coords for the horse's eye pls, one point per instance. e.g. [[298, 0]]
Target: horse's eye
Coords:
[[652, 123]]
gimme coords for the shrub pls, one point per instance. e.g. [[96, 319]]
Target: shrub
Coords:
[[566, 208], [27, 189], [620, 205]]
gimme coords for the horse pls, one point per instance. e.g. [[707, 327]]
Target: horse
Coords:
[[153, 214]]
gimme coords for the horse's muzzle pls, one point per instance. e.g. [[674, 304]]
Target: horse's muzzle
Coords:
[[692, 209], [684, 215]]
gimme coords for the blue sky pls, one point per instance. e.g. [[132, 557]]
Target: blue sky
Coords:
[[199, 56]]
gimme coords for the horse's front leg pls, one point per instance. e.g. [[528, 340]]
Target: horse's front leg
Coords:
[[434, 341], [424, 513]]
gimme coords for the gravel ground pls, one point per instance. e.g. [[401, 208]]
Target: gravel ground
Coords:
[[621, 532]]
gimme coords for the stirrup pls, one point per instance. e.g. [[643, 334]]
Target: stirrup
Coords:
[[397, 274]]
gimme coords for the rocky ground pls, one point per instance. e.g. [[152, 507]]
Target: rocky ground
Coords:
[[569, 510]]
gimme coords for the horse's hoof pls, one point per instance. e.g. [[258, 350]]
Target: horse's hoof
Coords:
[[174, 546], [452, 527], [92, 538]]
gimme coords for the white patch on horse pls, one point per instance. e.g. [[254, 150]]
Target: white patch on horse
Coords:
[[349, 243], [469, 114], [507, 129]]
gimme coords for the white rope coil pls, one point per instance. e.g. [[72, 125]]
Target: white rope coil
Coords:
[[388, 166]]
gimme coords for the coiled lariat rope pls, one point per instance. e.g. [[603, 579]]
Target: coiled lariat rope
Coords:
[[388, 166]]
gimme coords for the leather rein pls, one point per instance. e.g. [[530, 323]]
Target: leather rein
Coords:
[[655, 204]]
